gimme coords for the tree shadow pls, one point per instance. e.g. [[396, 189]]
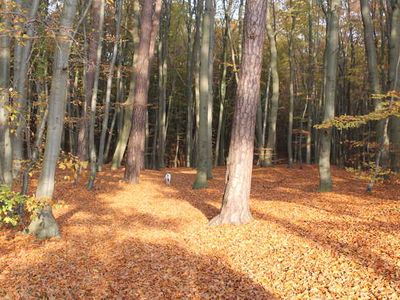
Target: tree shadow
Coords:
[[359, 251]]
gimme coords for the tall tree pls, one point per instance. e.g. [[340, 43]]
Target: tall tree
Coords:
[[127, 107], [93, 102], [235, 205], [23, 51], [6, 176], [148, 32], [394, 79], [331, 53], [203, 157], [271, 142], [291, 86], [45, 226], [110, 76]]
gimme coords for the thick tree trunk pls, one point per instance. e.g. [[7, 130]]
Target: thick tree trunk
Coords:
[[332, 42], [271, 142], [204, 121], [235, 206], [6, 176], [148, 32], [45, 226]]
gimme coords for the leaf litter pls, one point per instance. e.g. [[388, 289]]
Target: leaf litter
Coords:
[[151, 241]]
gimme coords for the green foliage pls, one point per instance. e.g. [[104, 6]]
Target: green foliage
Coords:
[[9, 203]]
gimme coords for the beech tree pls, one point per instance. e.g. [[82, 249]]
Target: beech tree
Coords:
[[45, 226], [331, 52], [235, 204]]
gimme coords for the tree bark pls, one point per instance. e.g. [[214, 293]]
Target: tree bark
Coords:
[[6, 159], [203, 136], [123, 134], [148, 32], [235, 205], [394, 79], [45, 226], [332, 42], [109, 85], [271, 142]]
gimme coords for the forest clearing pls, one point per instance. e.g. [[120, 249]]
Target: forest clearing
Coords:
[[152, 241], [199, 149]]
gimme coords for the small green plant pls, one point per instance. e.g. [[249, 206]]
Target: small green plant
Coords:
[[10, 204]]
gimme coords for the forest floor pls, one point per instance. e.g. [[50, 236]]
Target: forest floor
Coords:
[[151, 241]]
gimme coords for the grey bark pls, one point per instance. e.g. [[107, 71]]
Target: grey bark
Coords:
[[203, 137], [332, 42], [123, 135], [45, 226], [6, 176], [271, 142], [110, 76]]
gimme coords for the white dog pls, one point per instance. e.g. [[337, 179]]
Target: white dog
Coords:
[[168, 178]]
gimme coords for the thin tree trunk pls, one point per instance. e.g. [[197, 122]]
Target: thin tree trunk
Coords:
[[109, 85], [93, 102], [123, 135], [271, 143], [394, 78], [23, 52], [210, 91], [235, 205], [189, 84], [148, 32], [291, 89], [45, 226], [6, 159], [163, 78], [265, 121], [332, 42], [222, 87]]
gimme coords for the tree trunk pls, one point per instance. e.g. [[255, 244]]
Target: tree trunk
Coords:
[[235, 206], [109, 85], [203, 136], [93, 102], [21, 66], [332, 42], [271, 142], [6, 176], [189, 84], [148, 32], [210, 89], [394, 79], [163, 78], [45, 226], [291, 90], [222, 87], [123, 134]]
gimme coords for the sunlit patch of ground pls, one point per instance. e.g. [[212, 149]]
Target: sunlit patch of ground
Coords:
[[151, 241]]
